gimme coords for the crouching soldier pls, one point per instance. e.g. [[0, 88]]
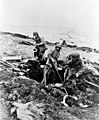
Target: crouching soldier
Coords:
[[40, 46], [73, 65]]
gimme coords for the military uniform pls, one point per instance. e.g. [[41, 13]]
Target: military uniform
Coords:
[[74, 64], [40, 46], [54, 55]]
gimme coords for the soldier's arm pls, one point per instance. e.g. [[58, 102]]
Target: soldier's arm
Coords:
[[69, 62], [42, 41], [50, 54]]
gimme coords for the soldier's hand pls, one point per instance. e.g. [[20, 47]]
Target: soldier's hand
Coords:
[[65, 67]]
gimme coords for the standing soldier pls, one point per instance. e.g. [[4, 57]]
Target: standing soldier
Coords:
[[40, 46]]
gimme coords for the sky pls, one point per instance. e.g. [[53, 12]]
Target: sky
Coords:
[[79, 13]]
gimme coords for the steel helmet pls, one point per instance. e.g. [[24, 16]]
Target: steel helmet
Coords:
[[75, 55], [35, 33]]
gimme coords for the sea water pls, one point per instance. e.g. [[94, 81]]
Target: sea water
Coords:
[[86, 37]]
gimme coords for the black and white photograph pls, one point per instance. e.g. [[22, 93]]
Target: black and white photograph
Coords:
[[49, 59]]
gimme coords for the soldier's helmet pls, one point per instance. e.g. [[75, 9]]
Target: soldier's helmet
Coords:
[[75, 55], [35, 33]]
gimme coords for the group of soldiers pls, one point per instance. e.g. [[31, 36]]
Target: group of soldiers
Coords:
[[71, 65]]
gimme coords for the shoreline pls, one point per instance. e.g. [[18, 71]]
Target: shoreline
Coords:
[[19, 44]]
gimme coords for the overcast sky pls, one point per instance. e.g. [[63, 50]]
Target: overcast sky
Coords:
[[81, 13]]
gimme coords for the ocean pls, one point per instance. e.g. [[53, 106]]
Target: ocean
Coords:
[[86, 37]]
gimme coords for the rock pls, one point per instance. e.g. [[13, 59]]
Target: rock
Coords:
[[57, 93], [71, 45], [87, 49], [96, 51], [51, 44], [28, 111], [96, 98], [26, 43], [92, 69]]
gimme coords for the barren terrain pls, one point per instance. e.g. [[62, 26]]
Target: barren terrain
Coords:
[[15, 45]]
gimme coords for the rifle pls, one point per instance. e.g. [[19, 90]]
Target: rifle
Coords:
[[90, 83]]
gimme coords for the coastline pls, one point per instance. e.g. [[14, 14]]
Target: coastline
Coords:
[[19, 44]]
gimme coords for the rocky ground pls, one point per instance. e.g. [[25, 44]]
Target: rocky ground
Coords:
[[23, 98]]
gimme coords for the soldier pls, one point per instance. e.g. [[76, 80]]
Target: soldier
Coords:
[[73, 65], [54, 56], [56, 52], [40, 46]]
